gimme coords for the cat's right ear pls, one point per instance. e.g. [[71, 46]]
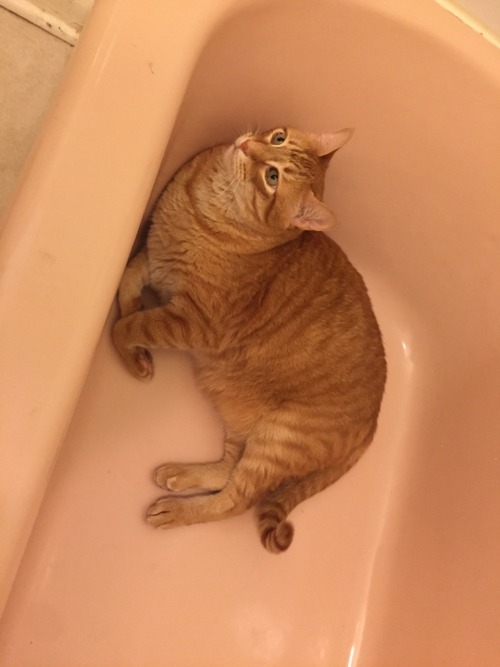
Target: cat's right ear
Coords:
[[326, 144], [313, 215]]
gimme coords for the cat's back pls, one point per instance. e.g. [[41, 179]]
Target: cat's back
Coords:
[[337, 308], [325, 289], [307, 340], [311, 319], [329, 344]]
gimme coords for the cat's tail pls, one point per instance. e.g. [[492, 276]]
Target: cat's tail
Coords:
[[276, 533]]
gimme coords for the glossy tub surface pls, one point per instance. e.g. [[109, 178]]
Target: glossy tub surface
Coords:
[[396, 564]]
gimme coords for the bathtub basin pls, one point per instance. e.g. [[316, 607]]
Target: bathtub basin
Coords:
[[396, 564]]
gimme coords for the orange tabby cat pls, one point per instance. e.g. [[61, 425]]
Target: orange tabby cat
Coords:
[[278, 323]]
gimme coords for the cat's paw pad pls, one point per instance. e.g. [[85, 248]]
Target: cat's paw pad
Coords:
[[143, 365], [172, 477], [166, 513]]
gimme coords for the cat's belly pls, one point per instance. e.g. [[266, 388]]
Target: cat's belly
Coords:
[[245, 393], [241, 394]]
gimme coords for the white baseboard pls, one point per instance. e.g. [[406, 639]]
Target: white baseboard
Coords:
[[475, 23], [28, 10]]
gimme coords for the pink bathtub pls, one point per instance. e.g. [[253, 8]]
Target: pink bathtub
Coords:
[[397, 565]]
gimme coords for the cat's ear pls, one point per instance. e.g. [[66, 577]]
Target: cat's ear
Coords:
[[313, 214], [326, 144]]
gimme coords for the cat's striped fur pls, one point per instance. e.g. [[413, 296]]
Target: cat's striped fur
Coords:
[[278, 322]]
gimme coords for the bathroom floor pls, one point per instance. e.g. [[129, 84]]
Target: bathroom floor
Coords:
[[32, 62]]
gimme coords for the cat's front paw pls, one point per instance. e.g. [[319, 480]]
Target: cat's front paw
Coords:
[[139, 363], [143, 367], [166, 513], [137, 359]]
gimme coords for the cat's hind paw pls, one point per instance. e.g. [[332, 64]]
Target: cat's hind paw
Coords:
[[183, 476], [174, 477], [166, 513]]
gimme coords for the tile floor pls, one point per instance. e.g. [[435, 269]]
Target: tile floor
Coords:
[[31, 65]]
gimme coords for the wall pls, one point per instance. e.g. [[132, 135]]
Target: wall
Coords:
[[481, 15]]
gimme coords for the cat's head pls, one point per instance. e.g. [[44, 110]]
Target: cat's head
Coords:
[[278, 178]]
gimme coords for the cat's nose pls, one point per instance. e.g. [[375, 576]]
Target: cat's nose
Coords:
[[244, 146]]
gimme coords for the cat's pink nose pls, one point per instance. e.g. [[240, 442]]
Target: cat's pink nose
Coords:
[[244, 146]]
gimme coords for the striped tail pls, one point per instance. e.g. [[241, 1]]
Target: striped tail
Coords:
[[276, 533]]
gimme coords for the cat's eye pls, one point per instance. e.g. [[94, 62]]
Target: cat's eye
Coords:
[[278, 137], [272, 177]]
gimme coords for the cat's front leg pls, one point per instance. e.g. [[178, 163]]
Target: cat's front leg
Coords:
[[139, 362], [134, 279], [137, 359], [130, 345], [178, 325]]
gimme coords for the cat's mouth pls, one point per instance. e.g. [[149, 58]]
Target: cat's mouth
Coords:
[[239, 151]]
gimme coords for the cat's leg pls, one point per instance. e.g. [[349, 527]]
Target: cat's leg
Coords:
[[177, 325], [134, 279], [254, 474], [208, 476]]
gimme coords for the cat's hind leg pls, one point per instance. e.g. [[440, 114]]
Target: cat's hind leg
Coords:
[[211, 476], [134, 279], [252, 476]]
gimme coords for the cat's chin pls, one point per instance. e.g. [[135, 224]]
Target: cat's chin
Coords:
[[235, 153], [230, 157]]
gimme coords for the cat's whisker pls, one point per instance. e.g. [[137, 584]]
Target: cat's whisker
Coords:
[[240, 182], [229, 186], [248, 128], [229, 179], [227, 176], [229, 202]]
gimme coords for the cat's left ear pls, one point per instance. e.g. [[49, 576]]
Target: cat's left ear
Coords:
[[326, 144], [313, 214]]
